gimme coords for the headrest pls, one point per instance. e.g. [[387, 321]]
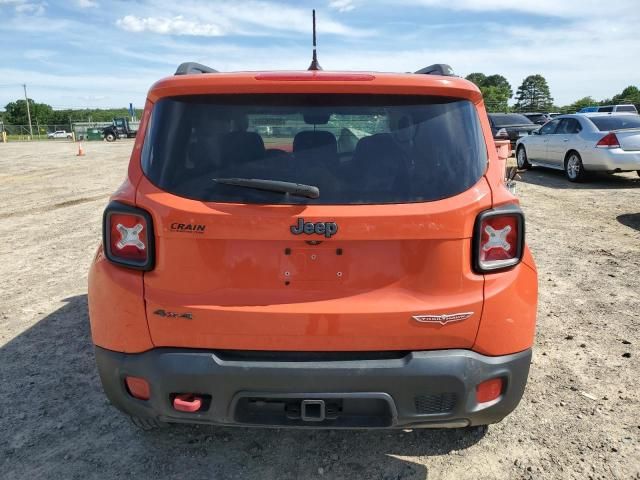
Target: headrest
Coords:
[[242, 146], [308, 140]]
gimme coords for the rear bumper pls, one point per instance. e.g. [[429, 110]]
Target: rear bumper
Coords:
[[612, 159], [412, 390]]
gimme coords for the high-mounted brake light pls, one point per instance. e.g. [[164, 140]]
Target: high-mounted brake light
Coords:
[[498, 241], [608, 141], [128, 236], [315, 76]]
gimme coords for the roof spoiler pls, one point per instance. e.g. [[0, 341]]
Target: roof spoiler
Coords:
[[437, 69], [188, 68]]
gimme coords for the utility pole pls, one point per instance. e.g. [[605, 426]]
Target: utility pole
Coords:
[[24, 85]]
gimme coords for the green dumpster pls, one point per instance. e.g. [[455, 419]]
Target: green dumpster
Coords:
[[94, 134]]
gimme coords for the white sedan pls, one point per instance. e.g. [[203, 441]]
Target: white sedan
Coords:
[[582, 143]]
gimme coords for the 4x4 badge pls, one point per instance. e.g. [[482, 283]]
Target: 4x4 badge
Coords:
[[163, 313], [442, 319]]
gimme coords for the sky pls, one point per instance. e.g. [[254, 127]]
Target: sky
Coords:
[[99, 53]]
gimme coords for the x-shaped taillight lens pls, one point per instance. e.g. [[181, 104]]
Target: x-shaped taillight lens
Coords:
[[499, 238], [128, 236]]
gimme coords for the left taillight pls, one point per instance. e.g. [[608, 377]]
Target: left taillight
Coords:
[[128, 238], [498, 240], [502, 134], [610, 140]]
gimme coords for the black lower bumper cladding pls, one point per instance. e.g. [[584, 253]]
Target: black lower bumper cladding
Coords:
[[409, 390]]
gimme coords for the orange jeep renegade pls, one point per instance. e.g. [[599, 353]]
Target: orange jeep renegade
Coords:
[[314, 249]]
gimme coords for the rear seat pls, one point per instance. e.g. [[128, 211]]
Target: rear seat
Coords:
[[242, 147], [379, 164], [316, 158]]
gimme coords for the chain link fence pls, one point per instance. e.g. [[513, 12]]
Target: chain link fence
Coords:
[[79, 130]]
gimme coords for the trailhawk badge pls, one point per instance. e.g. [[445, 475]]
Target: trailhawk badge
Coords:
[[442, 319]]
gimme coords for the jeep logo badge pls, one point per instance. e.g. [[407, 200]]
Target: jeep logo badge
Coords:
[[328, 229]]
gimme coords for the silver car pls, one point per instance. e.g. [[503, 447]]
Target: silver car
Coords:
[[582, 143]]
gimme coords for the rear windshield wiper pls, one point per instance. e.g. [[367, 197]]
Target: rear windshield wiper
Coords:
[[300, 189]]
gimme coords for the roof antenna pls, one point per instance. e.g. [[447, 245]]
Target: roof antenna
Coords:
[[314, 62]]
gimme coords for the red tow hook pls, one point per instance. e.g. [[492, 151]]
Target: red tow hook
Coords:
[[187, 402]]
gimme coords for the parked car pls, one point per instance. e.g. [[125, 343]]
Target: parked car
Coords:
[[382, 283], [554, 114], [582, 143], [59, 134], [588, 109], [538, 118], [510, 126], [629, 108]]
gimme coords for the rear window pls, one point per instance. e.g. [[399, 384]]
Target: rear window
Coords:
[[626, 108], [536, 118], [616, 122], [513, 119], [356, 149]]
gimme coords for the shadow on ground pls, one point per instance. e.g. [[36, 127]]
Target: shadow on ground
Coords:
[[55, 422], [631, 220], [547, 177]]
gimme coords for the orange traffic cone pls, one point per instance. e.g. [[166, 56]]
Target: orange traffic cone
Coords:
[[80, 151]]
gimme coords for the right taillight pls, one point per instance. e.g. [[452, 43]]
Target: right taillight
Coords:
[[128, 236], [498, 241], [608, 141]]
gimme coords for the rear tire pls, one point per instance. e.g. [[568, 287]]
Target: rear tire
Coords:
[[147, 424], [521, 159], [110, 137], [573, 168]]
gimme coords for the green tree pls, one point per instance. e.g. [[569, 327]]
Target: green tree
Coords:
[[477, 78], [631, 94], [16, 112], [579, 104], [498, 81], [495, 89], [534, 95], [43, 114]]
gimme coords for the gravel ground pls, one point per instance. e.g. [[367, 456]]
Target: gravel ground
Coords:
[[580, 416]]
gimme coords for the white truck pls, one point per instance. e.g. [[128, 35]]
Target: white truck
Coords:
[[59, 134]]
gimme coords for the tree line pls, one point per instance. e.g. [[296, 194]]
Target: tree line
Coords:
[[42, 114], [534, 95]]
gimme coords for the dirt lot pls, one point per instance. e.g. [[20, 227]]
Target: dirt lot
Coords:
[[580, 417]]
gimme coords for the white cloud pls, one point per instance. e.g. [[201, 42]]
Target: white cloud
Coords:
[[570, 9], [87, 3], [342, 5], [39, 54], [30, 8], [578, 52], [169, 26], [247, 18]]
